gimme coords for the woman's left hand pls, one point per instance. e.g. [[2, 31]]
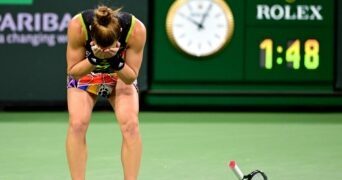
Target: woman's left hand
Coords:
[[104, 53]]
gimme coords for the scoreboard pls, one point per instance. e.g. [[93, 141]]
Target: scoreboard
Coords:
[[282, 52], [293, 42]]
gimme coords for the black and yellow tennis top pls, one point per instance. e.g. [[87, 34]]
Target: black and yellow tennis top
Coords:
[[126, 21]]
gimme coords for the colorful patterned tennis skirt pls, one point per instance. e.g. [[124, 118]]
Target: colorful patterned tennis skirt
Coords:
[[96, 83]]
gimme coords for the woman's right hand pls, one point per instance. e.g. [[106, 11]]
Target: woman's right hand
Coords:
[[104, 53]]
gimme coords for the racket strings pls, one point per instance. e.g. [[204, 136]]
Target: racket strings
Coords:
[[256, 175]]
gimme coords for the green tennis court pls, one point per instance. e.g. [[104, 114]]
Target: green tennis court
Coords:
[[178, 145]]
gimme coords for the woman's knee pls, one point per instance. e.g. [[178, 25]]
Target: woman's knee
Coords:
[[78, 126], [130, 130]]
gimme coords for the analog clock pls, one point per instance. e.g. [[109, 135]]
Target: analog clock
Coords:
[[199, 28]]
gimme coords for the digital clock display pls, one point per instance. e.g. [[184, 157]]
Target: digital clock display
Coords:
[[293, 54], [289, 41]]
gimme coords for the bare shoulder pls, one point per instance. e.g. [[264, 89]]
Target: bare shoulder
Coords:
[[138, 36], [75, 31], [139, 28]]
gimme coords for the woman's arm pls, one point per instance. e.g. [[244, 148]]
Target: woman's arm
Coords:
[[76, 66], [134, 54]]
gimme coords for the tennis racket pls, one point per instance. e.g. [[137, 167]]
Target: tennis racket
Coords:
[[255, 175]]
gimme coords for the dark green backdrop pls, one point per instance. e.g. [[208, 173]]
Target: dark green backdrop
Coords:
[[339, 47], [37, 74]]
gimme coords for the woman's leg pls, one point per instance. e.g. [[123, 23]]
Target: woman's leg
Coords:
[[126, 105], [80, 106]]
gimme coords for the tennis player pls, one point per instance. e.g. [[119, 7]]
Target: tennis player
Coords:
[[104, 55]]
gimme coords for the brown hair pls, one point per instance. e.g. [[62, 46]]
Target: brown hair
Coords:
[[105, 29]]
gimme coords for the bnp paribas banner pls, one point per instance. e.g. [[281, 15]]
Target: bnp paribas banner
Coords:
[[36, 23], [33, 37], [34, 28], [32, 48]]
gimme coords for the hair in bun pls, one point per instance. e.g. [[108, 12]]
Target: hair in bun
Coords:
[[105, 29]]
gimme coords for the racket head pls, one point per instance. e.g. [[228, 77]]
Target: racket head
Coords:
[[256, 175]]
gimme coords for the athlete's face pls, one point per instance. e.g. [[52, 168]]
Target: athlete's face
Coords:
[[105, 52]]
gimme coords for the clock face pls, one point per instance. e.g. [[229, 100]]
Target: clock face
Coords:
[[199, 27]]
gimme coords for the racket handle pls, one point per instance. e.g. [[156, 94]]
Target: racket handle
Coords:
[[236, 170]]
